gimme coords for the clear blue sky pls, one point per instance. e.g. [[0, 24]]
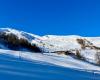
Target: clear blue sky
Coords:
[[63, 17]]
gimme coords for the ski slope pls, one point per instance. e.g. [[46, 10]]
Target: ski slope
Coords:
[[64, 61], [37, 66]]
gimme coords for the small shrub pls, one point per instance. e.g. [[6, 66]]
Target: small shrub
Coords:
[[78, 55], [68, 52], [82, 43], [97, 56]]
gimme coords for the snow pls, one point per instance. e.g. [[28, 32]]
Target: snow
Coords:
[[53, 43], [94, 40], [16, 32], [49, 44], [64, 61], [89, 55], [12, 68], [20, 34]]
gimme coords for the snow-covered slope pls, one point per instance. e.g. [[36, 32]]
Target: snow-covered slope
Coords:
[[19, 34], [17, 40], [52, 58], [87, 48], [13, 67], [84, 48]]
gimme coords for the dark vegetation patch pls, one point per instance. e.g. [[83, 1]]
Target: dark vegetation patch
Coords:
[[85, 43], [79, 56], [82, 43], [63, 52], [11, 41], [75, 55]]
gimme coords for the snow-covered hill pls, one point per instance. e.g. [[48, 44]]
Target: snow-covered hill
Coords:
[[52, 58], [19, 65], [29, 56], [82, 48]]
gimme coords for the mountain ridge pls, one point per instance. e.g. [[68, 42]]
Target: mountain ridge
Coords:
[[83, 48]]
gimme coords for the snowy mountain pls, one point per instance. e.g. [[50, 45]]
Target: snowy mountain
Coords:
[[82, 48], [17, 40], [51, 55]]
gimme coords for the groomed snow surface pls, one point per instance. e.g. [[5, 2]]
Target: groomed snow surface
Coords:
[[18, 65], [53, 58]]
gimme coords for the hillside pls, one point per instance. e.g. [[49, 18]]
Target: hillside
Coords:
[[28, 56], [83, 48]]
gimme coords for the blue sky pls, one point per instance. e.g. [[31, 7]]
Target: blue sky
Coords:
[[42, 17]]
